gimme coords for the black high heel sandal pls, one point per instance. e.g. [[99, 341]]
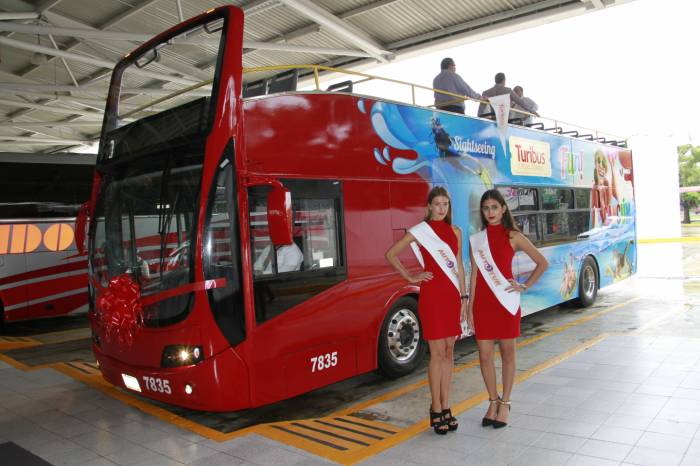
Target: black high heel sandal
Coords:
[[486, 421], [501, 424], [450, 420], [438, 423]]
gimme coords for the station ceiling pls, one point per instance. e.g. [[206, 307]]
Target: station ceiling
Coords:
[[56, 55]]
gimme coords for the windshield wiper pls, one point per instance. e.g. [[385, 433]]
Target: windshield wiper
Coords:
[[165, 214]]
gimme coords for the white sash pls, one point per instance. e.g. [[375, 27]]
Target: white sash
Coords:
[[437, 248], [493, 276]]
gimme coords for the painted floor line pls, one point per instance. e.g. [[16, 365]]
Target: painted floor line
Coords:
[[685, 239], [528, 341], [422, 425], [270, 431]]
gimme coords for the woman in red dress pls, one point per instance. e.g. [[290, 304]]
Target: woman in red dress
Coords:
[[440, 304], [490, 320]]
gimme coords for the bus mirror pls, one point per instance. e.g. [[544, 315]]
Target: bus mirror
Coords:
[[80, 227], [279, 216]]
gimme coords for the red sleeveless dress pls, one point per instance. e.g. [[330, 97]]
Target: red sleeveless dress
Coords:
[[439, 303], [492, 321]]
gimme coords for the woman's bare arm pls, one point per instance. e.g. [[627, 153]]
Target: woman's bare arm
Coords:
[[392, 256], [522, 243]]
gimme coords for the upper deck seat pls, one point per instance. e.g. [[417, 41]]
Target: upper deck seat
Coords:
[[255, 88], [284, 82], [344, 86]]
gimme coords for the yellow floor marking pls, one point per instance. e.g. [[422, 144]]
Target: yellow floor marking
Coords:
[[420, 426], [656, 321], [98, 382], [63, 335], [579, 321], [685, 239], [10, 343], [409, 388], [352, 453]]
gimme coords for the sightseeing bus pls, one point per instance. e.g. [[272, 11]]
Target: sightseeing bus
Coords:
[[237, 238], [41, 272]]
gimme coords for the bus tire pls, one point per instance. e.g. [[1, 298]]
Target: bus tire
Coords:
[[587, 283], [401, 345]]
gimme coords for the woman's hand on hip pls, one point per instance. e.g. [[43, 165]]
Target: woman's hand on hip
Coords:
[[514, 286], [421, 277]]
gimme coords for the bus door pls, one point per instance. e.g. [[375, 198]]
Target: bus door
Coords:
[[302, 339]]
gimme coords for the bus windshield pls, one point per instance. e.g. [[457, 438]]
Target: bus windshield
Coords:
[[150, 161], [144, 222]]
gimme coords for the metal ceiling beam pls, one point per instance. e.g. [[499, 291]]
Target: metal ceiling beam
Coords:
[[89, 60], [65, 64], [304, 49], [11, 16], [258, 6], [51, 124], [46, 5], [326, 19], [470, 25], [137, 37], [47, 108], [106, 25], [31, 139], [597, 4], [314, 28], [27, 88]]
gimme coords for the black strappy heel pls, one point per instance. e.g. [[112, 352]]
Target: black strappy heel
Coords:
[[452, 423], [487, 421], [437, 422], [500, 424]]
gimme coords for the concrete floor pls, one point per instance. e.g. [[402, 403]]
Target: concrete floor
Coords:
[[618, 383]]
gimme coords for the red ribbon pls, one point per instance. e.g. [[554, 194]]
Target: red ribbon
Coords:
[[120, 306], [120, 310]]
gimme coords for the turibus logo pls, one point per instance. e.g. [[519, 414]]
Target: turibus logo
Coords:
[[22, 238]]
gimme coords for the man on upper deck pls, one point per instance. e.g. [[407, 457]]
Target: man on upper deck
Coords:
[[448, 80], [526, 119], [500, 89]]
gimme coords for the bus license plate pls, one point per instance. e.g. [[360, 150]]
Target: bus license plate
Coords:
[[157, 385]]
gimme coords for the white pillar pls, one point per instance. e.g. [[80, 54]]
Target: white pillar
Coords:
[[656, 186]]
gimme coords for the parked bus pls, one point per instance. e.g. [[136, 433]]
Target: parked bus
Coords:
[[237, 243], [41, 272]]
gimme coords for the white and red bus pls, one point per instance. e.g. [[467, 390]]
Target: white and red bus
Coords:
[[237, 238], [41, 272]]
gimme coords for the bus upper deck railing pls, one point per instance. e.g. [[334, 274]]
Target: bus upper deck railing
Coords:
[[555, 125]]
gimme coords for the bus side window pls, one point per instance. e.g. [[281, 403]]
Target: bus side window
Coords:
[[261, 246], [287, 275], [528, 225]]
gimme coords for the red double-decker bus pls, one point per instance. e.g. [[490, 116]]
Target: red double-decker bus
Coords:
[[237, 237]]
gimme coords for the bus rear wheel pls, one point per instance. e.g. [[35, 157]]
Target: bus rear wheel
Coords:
[[587, 283], [401, 346]]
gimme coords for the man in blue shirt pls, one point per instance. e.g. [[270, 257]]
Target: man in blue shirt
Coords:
[[448, 80]]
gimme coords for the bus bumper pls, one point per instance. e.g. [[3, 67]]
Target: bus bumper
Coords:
[[219, 383]]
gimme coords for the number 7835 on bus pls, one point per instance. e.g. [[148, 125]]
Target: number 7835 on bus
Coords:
[[324, 361]]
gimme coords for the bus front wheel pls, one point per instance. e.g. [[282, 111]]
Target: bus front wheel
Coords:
[[401, 346], [587, 283]]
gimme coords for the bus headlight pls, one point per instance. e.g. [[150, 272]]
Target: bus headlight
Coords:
[[181, 355]]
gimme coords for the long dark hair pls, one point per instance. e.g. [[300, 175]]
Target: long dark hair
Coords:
[[508, 221], [435, 192]]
